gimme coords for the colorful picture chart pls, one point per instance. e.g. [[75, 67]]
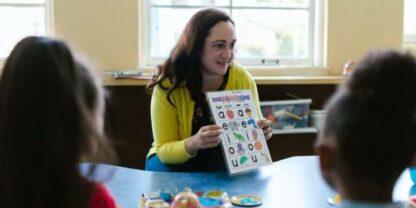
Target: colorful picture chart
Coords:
[[242, 141]]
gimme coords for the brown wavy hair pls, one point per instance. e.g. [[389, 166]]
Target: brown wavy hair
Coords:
[[183, 67]]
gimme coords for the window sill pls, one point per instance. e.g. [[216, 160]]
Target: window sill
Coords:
[[276, 77], [297, 71], [301, 80], [260, 80], [262, 76], [272, 70]]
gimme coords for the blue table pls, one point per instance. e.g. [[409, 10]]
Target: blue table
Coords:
[[294, 182]]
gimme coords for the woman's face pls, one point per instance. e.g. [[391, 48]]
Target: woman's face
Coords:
[[218, 49]]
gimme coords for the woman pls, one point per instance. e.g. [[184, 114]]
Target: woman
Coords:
[[50, 116], [185, 138]]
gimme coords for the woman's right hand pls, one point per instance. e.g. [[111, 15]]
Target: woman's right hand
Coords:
[[207, 137]]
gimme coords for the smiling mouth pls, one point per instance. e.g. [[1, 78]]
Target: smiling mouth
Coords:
[[223, 63]]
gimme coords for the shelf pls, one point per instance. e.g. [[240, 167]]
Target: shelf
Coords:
[[296, 131], [260, 80], [307, 80]]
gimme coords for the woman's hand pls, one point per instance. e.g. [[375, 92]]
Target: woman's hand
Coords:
[[207, 137], [264, 124]]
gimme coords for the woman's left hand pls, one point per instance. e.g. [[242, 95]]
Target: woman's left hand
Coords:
[[264, 124]]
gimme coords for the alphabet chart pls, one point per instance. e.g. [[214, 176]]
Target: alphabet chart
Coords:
[[242, 141]]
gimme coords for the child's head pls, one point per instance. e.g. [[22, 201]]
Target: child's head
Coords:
[[369, 136], [50, 115]]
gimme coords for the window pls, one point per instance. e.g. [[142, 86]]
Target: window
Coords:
[[269, 32], [409, 38], [20, 18]]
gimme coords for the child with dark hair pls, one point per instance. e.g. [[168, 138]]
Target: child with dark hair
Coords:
[[369, 136], [50, 116]]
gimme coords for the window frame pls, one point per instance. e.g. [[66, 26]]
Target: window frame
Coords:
[[407, 38], [48, 18], [316, 11]]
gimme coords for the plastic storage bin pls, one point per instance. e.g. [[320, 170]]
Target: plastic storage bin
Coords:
[[288, 116]]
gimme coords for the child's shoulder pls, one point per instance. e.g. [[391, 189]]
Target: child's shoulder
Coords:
[[101, 196]]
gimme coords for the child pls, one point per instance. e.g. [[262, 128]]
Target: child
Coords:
[[369, 136], [50, 115]]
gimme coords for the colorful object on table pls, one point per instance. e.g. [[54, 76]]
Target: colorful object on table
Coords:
[[142, 201], [412, 191], [412, 199], [216, 194], [186, 199], [246, 200], [156, 203], [167, 194], [216, 198], [334, 200], [199, 193], [210, 202], [150, 196], [412, 172], [412, 194]]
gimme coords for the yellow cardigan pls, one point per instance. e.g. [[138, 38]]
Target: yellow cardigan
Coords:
[[171, 125]]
